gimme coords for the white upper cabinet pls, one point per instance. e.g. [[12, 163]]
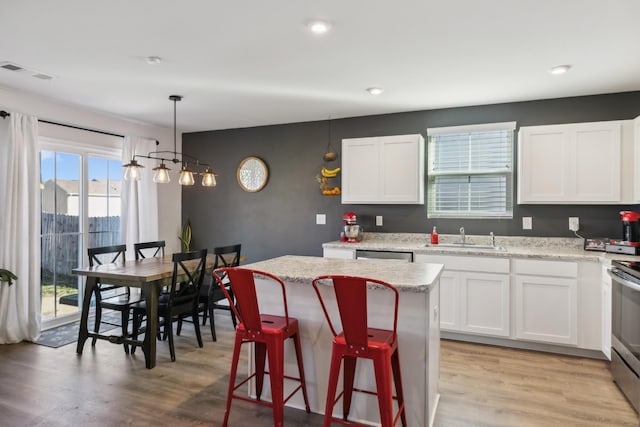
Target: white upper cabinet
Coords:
[[383, 170], [636, 158], [578, 163]]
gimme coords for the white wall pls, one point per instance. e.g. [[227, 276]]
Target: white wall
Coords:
[[169, 195]]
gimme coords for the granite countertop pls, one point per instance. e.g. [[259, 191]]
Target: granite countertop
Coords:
[[526, 247], [408, 277]]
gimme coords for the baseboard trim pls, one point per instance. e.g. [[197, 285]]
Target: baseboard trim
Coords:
[[524, 345]]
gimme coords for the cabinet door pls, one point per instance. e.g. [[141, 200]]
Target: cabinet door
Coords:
[[449, 301], [360, 170], [542, 164], [636, 156], [547, 309], [485, 304], [606, 312], [402, 174], [598, 162]]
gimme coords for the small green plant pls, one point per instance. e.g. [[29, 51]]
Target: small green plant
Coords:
[[7, 276], [185, 237]]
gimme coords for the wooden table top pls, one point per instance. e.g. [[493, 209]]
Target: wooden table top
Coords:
[[144, 270]]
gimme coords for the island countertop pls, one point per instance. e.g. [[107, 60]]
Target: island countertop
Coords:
[[410, 277]]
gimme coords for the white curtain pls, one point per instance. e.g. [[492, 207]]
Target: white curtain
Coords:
[[139, 206], [20, 228]]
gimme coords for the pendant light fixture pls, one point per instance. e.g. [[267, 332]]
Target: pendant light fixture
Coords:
[[161, 172]]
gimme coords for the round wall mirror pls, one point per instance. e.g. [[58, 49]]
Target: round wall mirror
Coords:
[[252, 174]]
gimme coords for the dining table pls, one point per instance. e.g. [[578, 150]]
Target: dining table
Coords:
[[150, 275]]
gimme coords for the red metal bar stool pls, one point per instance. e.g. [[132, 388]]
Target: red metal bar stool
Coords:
[[268, 333], [358, 340]]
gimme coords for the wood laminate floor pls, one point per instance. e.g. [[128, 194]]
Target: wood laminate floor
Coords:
[[479, 386]]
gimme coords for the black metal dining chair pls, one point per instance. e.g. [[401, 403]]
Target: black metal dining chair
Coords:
[[153, 249], [111, 297], [212, 295], [181, 299]]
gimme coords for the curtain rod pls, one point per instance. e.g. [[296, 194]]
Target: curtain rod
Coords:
[[5, 114]]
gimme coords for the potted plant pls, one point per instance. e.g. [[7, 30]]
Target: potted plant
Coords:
[[185, 237], [7, 276]]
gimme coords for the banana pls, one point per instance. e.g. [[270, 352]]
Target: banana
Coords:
[[330, 173], [333, 171]]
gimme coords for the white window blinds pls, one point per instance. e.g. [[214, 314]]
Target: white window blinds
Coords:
[[470, 172]]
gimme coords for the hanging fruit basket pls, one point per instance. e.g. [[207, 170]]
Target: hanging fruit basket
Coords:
[[328, 173]]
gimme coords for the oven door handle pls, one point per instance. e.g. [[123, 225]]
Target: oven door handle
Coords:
[[625, 282]]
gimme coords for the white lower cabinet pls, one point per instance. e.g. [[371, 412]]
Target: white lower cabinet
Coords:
[[546, 309], [606, 310], [449, 290], [546, 301], [484, 307], [473, 299]]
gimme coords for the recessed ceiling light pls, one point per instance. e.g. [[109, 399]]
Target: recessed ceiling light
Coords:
[[560, 69], [153, 60], [375, 90], [319, 27]]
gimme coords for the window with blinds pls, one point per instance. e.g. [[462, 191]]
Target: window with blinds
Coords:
[[470, 171]]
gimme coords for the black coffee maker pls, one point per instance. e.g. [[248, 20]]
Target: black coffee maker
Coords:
[[630, 242]]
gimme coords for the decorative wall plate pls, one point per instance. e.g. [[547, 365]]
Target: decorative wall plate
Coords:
[[252, 174]]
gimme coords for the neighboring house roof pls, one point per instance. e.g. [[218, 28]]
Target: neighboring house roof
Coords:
[[96, 186]]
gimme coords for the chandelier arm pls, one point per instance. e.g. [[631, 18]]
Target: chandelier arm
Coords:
[[156, 155], [186, 174]]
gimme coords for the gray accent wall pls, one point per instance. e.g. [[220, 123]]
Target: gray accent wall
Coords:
[[280, 219]]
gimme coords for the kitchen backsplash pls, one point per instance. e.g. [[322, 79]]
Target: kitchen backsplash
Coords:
[[507, 241]]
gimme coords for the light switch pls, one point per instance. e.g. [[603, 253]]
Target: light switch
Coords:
[[527, 223], [321, 219], [379, 220]]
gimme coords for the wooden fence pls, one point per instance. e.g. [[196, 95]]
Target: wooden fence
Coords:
[[61, 240]]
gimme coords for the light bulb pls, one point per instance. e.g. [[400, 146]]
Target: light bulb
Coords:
[[161, 175], [132, 171], [208, 178], [319, 27], [186, 177]]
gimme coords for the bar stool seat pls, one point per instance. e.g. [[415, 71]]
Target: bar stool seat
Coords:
[[357, 341], [268, 333]]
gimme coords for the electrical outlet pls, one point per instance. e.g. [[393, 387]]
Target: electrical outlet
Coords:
[[379, 220], [527, 223], [574, 223], [321, 219]]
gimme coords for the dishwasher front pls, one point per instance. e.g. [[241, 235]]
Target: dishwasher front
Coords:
[[384, 255]]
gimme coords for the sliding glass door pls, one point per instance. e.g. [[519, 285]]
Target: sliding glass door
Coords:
[[61, 232], [80, 195]]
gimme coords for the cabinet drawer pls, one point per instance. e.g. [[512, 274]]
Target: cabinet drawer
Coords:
[[338, 253], [545, 268], [470, 263]]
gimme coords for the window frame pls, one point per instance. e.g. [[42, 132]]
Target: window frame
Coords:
[[508, 173]]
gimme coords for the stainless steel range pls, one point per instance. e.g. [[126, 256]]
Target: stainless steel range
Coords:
[[625, 328]]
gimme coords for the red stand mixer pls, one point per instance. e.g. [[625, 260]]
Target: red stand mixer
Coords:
[[352, 231]]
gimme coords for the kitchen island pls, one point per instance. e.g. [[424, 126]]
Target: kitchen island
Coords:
[[418, 330]]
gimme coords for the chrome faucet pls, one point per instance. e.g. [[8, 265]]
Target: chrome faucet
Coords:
[[493, 239], [462, 236]]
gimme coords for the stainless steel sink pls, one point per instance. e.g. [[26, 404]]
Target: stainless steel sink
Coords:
[[468, 245]]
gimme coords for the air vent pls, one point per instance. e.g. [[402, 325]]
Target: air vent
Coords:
[[42, 76], [11, 66]]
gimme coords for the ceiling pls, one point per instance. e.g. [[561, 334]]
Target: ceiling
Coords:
[[253, 62]]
